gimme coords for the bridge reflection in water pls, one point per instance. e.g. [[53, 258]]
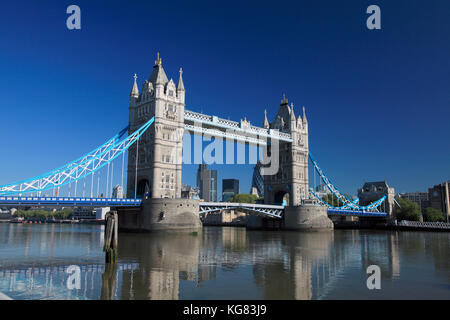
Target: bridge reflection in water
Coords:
[[217, 263]]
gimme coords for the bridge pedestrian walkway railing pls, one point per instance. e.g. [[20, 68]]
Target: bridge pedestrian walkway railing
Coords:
[[427, 224]]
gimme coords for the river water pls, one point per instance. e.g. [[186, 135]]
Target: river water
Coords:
[[53, 261]]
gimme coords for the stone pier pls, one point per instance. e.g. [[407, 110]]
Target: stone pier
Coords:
[[161, 214], [307, 217]]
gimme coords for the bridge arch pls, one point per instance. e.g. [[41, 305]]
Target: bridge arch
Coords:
[[282, 197], [143, 187]]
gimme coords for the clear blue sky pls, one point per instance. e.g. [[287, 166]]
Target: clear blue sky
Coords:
[[378, 102]]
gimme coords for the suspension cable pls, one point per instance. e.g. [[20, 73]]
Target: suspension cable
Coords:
[[123, 164], [92, 184], [98, 185], [112, 177], [135, 176], [107, 182]]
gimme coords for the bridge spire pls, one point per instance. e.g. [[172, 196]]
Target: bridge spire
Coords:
[[266, 122], [158, 60], [180, 85], [284, 100], [305, 121], [292, 112], [134, 91]]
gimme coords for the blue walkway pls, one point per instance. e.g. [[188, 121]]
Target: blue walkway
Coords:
[[67, 201]]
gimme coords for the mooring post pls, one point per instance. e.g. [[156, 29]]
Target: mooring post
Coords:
[[108, 281], [111, 237]]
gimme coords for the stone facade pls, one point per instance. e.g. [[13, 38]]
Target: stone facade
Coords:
[[292, 176], [160, 147], [373, 191], [439, 198]]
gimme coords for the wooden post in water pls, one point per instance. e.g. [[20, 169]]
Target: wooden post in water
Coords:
[[111, 237]]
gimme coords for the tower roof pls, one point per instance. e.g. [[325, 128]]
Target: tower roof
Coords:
[[284, 112], [158, 75]]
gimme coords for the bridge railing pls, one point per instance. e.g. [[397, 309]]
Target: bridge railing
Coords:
[[70, 201], [426, 224]]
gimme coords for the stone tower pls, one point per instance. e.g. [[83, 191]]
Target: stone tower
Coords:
[[292, 176], [160, 147]]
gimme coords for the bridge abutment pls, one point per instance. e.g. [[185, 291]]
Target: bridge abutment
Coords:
[[161, 214], [307, 217]]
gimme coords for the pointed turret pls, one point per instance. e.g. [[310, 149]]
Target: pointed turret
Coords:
[[299, 121], [134, 91], [180, 85], [293, 124], [305, 121], [266, 122], [292, 112]]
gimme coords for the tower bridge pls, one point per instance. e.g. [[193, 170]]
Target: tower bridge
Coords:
[[158, 120]]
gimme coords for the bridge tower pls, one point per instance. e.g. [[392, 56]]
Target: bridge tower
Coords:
[[292, 175], [159, 156]]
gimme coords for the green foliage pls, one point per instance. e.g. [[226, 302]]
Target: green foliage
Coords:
[[433, 215], [243, 198], [43, 214], [332, 200], [408, 210]]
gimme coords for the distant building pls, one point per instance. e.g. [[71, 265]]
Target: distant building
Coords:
[[100, 213], [117, 192], [89, 213], [372, 191], [421, 198], [438, 197], [207, 183], [257, 187], [230, 187], [5, 213], [83, 213], [322, 190], [189, 192]]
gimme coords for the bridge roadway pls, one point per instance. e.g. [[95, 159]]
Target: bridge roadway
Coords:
[[263, 210]]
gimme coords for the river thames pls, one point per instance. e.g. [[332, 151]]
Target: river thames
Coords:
[[37, 262]]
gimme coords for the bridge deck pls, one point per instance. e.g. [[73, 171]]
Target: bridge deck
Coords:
[[68, 201], [273, 211], [356, 213]]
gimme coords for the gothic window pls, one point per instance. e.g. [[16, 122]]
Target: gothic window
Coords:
[[171, 93], [171, 111]]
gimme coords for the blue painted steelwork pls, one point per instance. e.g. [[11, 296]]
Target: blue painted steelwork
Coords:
[[100, 150], [345, 206], [79, 168], [358, 213], [68, 201], [342, 197]]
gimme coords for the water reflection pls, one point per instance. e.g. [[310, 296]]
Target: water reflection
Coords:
[[163, 259], [223, 263]]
